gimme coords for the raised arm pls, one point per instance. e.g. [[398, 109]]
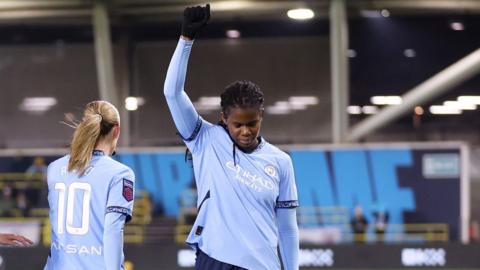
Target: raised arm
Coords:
[[183, 112]]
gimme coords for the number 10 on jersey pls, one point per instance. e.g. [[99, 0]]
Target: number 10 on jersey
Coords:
[[70, 200]]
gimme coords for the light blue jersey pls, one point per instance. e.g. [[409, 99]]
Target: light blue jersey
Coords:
[[246, 201], [238, 198], [78, 209]]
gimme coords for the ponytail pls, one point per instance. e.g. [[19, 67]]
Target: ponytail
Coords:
[[98, 120]]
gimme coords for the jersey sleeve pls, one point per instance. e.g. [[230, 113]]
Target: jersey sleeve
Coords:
[[287, 197], [121, 194], [189, 123]]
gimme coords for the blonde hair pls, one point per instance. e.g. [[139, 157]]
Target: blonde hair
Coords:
[[99, 117]]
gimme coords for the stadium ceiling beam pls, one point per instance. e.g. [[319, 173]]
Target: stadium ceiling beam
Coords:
[[107, 86], [440, 83], [339, 69], [425, 5], [36, 4], [168, 10]]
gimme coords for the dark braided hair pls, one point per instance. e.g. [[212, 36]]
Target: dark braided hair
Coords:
[[241, 94]]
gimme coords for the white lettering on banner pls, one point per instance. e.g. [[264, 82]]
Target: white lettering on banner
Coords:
[[316, 257], [76, 249], [249, 179], [424, 257], [186, 258], [307, 258]]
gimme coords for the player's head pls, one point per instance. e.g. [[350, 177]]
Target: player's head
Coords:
[[358, 211], [100, 125], [242, 112]]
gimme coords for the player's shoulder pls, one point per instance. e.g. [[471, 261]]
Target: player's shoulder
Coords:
[[277, 152], [59, 162], [118, 168]]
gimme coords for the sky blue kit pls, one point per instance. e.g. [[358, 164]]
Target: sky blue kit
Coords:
[[246, 201], [88, 213]]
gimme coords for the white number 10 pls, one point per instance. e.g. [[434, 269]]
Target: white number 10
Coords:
[[61, 187]]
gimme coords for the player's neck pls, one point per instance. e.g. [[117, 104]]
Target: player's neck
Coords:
[[106, 148]]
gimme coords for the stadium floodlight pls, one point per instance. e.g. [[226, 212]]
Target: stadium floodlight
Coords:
[[353, 109], [386, 100], [369, 109], [37, 104], [233, 34], [457, 26], [440, 109], [300, 14], [132, 103], [469, 99], [460, 105]]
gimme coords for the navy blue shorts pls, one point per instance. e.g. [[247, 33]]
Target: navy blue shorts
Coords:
[[205, 262]]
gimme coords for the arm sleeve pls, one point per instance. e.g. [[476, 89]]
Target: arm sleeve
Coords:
[[121, 194], [287, 197], [287, 203], [186, 118], [288, 238], [113, 241]]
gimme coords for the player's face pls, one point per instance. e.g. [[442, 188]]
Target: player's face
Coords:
[[244, 126]]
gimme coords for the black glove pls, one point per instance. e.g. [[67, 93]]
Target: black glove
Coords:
[[194, 19]]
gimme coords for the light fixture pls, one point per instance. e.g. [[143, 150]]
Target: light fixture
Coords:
[[439, 109], [304, 100], [131, 103], [371, 13], [233, 34], [351, 53], [210, 101], [385, 13], [278, 110], [37, 104], [418, 110], [207, 104], [409, 53], [369, 109], [386, 100], [353, 109], [460, 105], [457, 26], [300, 14], [469, 99]]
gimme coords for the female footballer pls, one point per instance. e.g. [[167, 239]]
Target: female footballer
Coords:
[[90, 196], [246, 186]]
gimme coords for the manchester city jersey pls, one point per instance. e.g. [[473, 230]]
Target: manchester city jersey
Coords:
[[78, 205], [238, 194]]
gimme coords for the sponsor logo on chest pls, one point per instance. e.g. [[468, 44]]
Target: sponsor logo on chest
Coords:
[[251, 180]]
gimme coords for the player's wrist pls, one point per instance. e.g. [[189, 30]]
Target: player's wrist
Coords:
[[186, 38]]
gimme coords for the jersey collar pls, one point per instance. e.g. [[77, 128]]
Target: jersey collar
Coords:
[[98, 153]]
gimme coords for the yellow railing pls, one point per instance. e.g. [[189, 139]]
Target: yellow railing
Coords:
[[181, 233], [425, 232], [22, 176], [322, 215], [23, 180]]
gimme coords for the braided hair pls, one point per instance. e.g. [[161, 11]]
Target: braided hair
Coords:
[[241, 94]]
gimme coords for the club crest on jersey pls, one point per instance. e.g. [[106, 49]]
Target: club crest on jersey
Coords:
[[127, 190], [270, 170]]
